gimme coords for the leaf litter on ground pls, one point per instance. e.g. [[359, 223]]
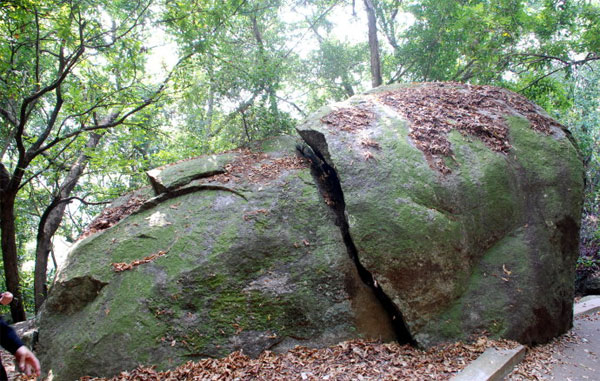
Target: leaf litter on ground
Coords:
[[351, 360]]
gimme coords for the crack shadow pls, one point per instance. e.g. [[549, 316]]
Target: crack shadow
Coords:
[[331, 189]]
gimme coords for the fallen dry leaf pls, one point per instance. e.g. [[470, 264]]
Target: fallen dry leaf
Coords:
[[368, 155], [435, 109], [111, 216], [123, 266], [350, 119], [351, 360]]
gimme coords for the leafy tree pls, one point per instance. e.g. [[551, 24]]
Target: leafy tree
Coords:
[[483, 41], [583, 119], [563, 37], [336, 71], [69, 70], [239, 71]]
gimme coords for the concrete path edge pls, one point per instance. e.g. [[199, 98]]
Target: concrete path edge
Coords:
[[495, 364], [492, 365], [587, 305]]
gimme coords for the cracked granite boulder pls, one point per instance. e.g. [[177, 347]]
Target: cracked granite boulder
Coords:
[[247, 259], [463, 203], [422, 213]]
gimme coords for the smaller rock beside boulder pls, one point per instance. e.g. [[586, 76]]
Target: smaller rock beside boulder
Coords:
[[169, 177], [28, 332], [589, 284]]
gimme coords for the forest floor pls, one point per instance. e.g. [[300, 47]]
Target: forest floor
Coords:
[[352, 360], [9, 364], [573, 356]]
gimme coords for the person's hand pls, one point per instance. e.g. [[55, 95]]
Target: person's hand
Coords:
[[28, 363], [6, 298]]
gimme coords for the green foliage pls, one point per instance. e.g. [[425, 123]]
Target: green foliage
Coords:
[[338, 72], [68, 69], [102, 41], [231, 89], [26, 288], [584, 121], [551, 93]]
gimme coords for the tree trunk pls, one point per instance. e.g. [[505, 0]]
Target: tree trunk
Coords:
[[9, 254], [210, 107], [376, 79], [347, 85], [51, 219]]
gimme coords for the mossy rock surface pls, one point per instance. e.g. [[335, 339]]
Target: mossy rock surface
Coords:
[[265, 269], [466, 217], [483, 240], [172, 176]]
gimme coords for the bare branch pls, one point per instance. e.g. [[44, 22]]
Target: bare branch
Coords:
[[64, 71], [302, 112], [310, 27], [117, 121], [463, 73], [534, 82], [542, 57], [83, 201], [51, 162], [49, 126], [37, 48], [566, 64], [242, 107]]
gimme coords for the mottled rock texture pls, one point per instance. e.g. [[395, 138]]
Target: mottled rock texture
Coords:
[[428, 212], [250, 260]]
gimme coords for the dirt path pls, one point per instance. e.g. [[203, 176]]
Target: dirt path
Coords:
[[571, 357], [579, 361]]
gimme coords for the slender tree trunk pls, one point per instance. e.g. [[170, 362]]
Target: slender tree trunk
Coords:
[[42, 251], [347, 85], [52, 218], [208, 120], [376, 79], [9, 253]]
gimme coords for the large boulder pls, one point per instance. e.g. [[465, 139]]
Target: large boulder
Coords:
[[425, 213], [250, 260], [464, 204]]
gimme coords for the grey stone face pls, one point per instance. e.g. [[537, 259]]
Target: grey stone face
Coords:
[[374, 235]]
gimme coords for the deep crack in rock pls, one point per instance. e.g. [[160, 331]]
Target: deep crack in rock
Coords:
[[331, 189]]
